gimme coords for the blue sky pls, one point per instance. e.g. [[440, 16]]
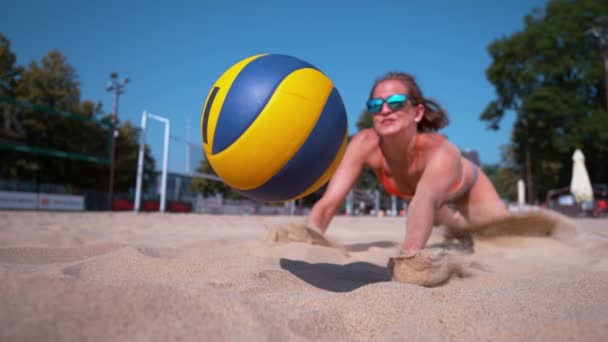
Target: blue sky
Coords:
[[173, 51]]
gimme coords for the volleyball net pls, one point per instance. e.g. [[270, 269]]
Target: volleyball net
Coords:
[[45, 151], [48, 156], [38, 130]]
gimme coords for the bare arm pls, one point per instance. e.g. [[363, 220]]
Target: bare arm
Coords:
[[343, 179], [440, 173]]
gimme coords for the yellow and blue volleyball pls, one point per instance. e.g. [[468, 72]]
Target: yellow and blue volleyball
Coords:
[[274, 127]]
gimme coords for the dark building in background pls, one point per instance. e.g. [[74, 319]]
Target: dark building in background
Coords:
[[472, 155]]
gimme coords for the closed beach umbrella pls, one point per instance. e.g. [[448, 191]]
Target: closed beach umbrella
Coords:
[[521, 192], [580, 185]]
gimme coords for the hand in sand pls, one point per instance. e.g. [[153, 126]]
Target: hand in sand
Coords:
[[300, 232], [428, 267]]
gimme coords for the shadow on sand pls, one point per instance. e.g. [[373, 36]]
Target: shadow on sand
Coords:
[[334, 277]]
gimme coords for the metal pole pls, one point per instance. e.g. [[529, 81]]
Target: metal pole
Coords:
[[177, 188], [606, 73], [163, 191], [350, 203], [529, 178], [377, 201], [292, 207], [140, 161], [188, 147], [113, 157], [117, 87]]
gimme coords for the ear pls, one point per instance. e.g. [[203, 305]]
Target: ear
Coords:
[[419, 113]]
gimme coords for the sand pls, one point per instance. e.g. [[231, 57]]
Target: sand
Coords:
[[191, 277]]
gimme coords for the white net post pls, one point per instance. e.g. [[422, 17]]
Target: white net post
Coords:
[[163, 183], [140, 161]]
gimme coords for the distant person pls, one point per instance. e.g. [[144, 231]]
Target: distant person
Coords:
[[601, 208], [415, 163]]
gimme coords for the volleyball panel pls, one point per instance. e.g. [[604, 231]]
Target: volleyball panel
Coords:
[[328, 173], [277, 133], [315, 156], [215, 99], [249, 94]]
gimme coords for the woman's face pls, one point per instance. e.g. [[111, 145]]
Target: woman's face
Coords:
[[397, 113]]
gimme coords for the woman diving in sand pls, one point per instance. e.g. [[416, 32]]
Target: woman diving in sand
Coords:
[[415, 163]]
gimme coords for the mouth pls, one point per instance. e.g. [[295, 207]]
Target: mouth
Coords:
[[386, 121]]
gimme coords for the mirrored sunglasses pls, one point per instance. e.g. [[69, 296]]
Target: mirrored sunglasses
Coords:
[[394, 102]]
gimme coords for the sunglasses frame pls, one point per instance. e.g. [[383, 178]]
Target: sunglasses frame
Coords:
[[388, 101]]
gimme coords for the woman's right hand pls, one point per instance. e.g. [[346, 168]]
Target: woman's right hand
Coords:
[[355, 157]]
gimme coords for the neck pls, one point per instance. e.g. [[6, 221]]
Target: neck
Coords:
[[393, 148]]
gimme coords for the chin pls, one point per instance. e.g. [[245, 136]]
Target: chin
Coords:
[[387, 131]]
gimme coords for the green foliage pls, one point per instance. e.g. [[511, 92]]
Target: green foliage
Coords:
[[53, 83], [366, 120], [49, 114], [368, 179], [504, 176], [551, 75], [9, 72], [127, 150]]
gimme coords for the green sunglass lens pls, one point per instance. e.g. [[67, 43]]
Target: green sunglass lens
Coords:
[[396, 105], [374, 105], [396, 101]]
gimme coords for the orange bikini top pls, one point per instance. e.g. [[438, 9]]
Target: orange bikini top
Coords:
[[390, 186]]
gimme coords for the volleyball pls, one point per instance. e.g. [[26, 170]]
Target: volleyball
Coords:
[[274, 127]]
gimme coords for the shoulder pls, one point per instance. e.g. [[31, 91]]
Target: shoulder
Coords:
[[366, 139], [363, 146], [366, 135], [436, 146]]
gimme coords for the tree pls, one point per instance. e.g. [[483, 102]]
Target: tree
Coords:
[[551, 76], [9, 72], [53, 90], [54, 83], [366, 120], [42, 109], [10, 127], [504, 175]]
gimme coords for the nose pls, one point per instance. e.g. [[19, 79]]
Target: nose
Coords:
[[385, 109]]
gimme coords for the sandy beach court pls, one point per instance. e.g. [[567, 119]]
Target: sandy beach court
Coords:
[[192, 277]]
